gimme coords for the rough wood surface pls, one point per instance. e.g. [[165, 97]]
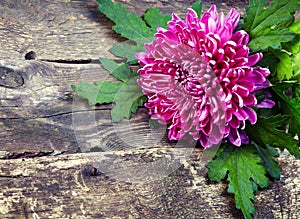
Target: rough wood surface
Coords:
[[67, 186], [40, 118], [69, 30], [36, 100]]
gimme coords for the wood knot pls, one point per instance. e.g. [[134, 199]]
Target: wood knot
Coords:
[[10, 78]]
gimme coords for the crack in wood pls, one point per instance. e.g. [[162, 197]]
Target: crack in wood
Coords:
[[13, 177], [66, 61], [50, 116], [26, 154]]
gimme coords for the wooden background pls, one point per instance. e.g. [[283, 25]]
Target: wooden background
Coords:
[[44, 128]]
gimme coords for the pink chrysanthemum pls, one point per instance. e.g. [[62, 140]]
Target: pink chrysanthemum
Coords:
[[200, 79]]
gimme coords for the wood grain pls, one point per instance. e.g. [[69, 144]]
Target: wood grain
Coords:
[[70, 30], [40, 118], [39, 112], [67, 186]]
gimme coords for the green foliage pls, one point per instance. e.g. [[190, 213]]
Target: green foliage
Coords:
[[154, 18], [131, 26], [288, 65], [245, 174], [197, 6], [100, 92], [284, 69], [294, 48], [269, 27], [295, 27], [296, 66], [266, 154], [271, 131], [290, 106], [120, 71], [127, 100], [127, 51], [128, 24], [126, 94]]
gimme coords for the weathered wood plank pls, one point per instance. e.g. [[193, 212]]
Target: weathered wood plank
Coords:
[[60, 30], [36, 105], [36, 115], [39, 114], [70, 30], [63, 187]]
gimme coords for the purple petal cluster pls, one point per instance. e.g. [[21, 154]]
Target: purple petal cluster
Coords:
[[200, 79]]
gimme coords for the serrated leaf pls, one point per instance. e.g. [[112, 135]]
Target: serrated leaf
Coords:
[[126, 96], [127, 99], [244, 174], [266, 154], [197, 6], [127, 51], [120, 71], [293, 47], [269, 131], [99, 92], [268, 27], [290, 106], [272, 39], [139, 102], [128, 24], [154, 18], [284, 68]]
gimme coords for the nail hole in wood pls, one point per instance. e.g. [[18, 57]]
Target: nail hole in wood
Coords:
[[30, 55]]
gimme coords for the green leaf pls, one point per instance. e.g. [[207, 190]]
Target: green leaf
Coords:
[[268, 27], [296, 64], [154, 18], [120, 71], [139, 102], [128, 24], [293, 46], [127, 51], [197, 6], [244, 174], [99, 92], [284, 68], [290, 106], [295, 27], [270, 131], [126, 96], [272, 39], [127, 100], [271, 165]]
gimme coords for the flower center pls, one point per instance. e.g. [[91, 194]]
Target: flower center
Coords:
[[181, 76]]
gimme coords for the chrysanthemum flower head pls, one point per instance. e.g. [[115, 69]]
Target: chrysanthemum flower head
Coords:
[[200, 79]]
